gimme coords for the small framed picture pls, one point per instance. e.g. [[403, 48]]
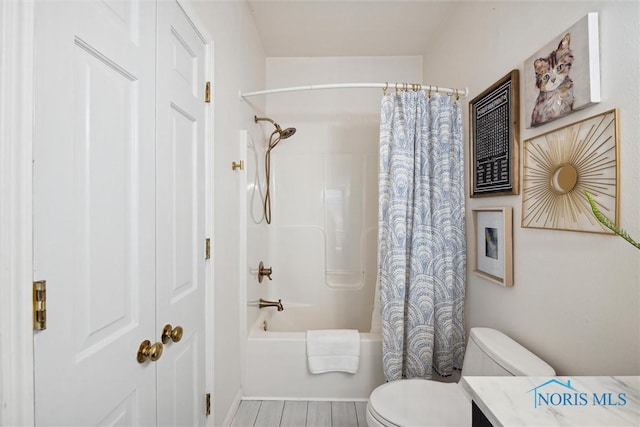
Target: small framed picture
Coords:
[[493, 244]]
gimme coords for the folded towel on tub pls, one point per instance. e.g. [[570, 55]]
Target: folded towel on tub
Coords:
[[332, 350]]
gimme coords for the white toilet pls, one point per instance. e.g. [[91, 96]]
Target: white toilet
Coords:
[[419, 402]]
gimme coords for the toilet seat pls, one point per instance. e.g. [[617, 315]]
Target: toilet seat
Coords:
[[417, 402]]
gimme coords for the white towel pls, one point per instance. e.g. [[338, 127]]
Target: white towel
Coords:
[[333, 350]]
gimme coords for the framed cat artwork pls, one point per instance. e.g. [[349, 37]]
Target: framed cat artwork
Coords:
[[564, 76]]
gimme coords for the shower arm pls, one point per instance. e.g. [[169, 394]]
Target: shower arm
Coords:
[[261, 119]]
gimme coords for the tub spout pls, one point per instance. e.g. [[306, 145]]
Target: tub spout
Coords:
[[265, 303]]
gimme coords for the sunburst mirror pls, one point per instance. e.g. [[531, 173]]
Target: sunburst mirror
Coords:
[[561, 165]]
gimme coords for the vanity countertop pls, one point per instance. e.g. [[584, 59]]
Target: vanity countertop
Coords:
[[557, 401]]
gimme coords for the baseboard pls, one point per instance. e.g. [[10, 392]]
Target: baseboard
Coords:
[[233, 408], [307, 399]]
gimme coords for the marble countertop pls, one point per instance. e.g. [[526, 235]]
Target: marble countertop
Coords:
[[557, 401]]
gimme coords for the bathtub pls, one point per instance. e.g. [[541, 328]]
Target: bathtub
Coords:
[[276, 365]]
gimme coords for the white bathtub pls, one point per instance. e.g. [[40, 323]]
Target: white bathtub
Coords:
[[276, 365]]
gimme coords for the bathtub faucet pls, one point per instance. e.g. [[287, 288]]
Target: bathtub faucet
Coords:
[[264, 303]]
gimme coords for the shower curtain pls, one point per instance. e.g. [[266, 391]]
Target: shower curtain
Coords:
[[421, 235]]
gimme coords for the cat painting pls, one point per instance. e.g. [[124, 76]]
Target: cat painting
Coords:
[[563, 76], [555, 97]]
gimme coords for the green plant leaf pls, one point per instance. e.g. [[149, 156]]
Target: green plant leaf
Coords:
[[607, 223]]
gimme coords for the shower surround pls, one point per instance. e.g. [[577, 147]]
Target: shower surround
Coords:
[[322, 240]]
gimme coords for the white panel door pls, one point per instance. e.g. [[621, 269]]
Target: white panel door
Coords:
[[94, 211], [180, 205]]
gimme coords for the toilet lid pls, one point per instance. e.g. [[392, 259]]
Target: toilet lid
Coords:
[[420, 403]]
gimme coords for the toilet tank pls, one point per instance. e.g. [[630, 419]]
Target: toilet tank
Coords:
[[492, 353]]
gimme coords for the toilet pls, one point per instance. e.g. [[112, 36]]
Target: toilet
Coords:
[[419, 402]]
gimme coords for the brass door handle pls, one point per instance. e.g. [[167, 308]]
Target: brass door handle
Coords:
[[148, 350], [171, 333]]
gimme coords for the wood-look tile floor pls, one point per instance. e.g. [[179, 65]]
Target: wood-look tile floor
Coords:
[[290, 413]]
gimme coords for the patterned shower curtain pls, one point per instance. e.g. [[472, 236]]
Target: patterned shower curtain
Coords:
[[421, 235]]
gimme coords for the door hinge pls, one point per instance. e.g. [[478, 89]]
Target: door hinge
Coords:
[[40, 305], [207, 92], [207, 248], [207, 404]]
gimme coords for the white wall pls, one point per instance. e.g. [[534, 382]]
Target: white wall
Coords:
[[239, 65], [257, 230], [576, 298]]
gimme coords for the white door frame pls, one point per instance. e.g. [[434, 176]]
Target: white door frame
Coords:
[[16, 266], [16, 214]]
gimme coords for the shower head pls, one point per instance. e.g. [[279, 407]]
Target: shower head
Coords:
[[276, 136], [284, 134]]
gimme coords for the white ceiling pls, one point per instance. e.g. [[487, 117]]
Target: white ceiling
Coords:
[[349, 27]]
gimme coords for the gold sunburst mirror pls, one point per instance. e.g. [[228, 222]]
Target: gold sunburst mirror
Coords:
[[559, 166]]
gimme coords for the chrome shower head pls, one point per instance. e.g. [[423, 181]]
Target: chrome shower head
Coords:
[[284, 134]]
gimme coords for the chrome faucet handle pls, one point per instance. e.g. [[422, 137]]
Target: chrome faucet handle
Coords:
[[263, 272]]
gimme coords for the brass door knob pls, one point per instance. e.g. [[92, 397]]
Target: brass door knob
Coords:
[[147, 350], [170, 333]]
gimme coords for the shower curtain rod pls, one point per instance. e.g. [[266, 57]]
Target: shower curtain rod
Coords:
[[387, 86]]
